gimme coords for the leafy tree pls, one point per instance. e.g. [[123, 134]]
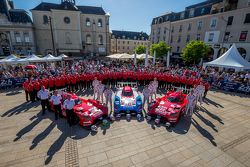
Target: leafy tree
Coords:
[[161, 49], [140, 49], [194, 51]]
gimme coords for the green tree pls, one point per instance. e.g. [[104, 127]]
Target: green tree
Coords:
[[160, 48], [140, 49], [194, 51]]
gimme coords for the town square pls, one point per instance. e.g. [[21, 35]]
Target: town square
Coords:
[[84, 84]]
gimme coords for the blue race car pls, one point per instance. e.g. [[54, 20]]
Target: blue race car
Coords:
[[127, 100]]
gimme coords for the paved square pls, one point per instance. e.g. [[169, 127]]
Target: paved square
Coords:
[[218, 135]]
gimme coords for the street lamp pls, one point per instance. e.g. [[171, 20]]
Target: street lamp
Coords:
[[52, 36]]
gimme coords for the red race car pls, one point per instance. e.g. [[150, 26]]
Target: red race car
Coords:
[[89, 112], [169, 108]]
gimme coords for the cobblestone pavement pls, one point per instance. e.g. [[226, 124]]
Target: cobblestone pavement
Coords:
[[218, 135]]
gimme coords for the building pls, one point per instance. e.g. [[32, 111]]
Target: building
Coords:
[[219, 23], [16, 30], [71, 29], [126, 41]]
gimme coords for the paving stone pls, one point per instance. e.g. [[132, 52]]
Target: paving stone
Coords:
[[126, 162], [139, 157]]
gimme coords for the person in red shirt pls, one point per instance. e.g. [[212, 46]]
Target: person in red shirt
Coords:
[[37, 86], [73, 83], [52, 83], [30, 88], [25, 87], [207, 86], [57, 83]]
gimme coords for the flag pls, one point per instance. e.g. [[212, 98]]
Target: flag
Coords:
[[146, 58], [154, 57]]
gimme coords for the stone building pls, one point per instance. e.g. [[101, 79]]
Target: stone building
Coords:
[[16, 31], [71, 29], [126, 41], [219, 23]]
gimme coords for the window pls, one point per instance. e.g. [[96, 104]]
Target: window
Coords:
[[26, 37], [178, 49], [135, 42], [165, 30], [18, 37], [199, 25], [135, 37], [88, 23], [191, 13], [180, 29], [188, 38], [230, 20], [171, 39], [123, 37], [159, 30], [123, 47], [198, 37], [66, 20], [179, 39], [100, 40], [211, 37], [247, 19], [213, 23], [243, 35], [128, 42], [182, 15], [45, 19], [118, 47], [189, 26], [172, 29], [202, 10], [123, 42], [118, 42], [226, 36], [99, 24], [88, 39], [128, 47], [164, 38], [68, 38], [248, 3]]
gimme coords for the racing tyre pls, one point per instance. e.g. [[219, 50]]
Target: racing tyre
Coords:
[[149, 118], [94, 128]]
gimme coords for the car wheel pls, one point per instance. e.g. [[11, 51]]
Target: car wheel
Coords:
[[94, 128]]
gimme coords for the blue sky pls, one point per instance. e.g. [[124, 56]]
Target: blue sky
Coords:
[[131, 15]]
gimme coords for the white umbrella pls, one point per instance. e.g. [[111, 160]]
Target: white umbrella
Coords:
[[114, 56], [8, 58], [126, 56], [143, 56]]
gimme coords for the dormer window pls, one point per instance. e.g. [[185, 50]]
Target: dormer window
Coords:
[[182, 15], [45, 19], [135, 37], [88, 23], [202, 10], [123, 37], [99, 23], [191, 13]]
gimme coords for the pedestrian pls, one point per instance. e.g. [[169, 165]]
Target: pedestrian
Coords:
[[43, 95], [191, 103], [146, 94], [95, 84], [108, 96], [56, 101], [155, 87], [100, 90], [25, 87], [69, 104]]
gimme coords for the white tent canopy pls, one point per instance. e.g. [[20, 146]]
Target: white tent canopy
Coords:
[[49, 57], [62, 56], [143, 56], [230, 59], [33, 58]]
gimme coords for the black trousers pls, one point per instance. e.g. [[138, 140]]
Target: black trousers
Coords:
[[45, 103], [58, 111], [32, 96], [27, 95], [70, 116]]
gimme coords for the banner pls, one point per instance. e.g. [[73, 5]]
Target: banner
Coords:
[[234, 86], [11, 82]]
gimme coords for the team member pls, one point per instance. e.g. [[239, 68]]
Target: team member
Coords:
[[43, 94], [191, 103], [37, 87], [146, 94], [68, 104], [100, 89], [30, 89], [56, 101], [108, 96], [155, 87], [25, 87], [95, 84]]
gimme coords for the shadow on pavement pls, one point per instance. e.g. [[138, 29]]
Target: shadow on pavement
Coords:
[[203, 132], [215, 117], [183, 126], [20, 108], [209, 101], [206, 121]]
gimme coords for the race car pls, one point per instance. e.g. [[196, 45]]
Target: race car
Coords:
[[168, 108], [89, 112], [127, 100]]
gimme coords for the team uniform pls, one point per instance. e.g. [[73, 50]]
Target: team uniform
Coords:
[[43, 95], [56, 101], [68, 105], [108, 97]]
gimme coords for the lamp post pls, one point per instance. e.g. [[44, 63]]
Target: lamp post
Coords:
[[52, 36]]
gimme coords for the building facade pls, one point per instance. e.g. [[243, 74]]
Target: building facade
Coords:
[[16, 31], [219, 23], [127, 41], [71, 29]]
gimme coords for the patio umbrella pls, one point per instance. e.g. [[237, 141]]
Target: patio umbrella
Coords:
[[30, 66]]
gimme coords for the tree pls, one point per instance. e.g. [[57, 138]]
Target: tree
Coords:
[[160, 48], [140, 49], [194, 51]]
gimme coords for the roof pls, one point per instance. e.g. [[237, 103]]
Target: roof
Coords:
[[200, 9], [230, 59], [44, 6], [130, 35], [19, 16], [91, 10]]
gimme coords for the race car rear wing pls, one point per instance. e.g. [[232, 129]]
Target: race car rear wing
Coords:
[[132, 84]]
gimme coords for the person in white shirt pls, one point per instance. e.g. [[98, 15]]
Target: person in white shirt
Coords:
[[56, 101], [146, 93], [191, 103], [43, 94], [95, 84], [108, 96], [69, 104]]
